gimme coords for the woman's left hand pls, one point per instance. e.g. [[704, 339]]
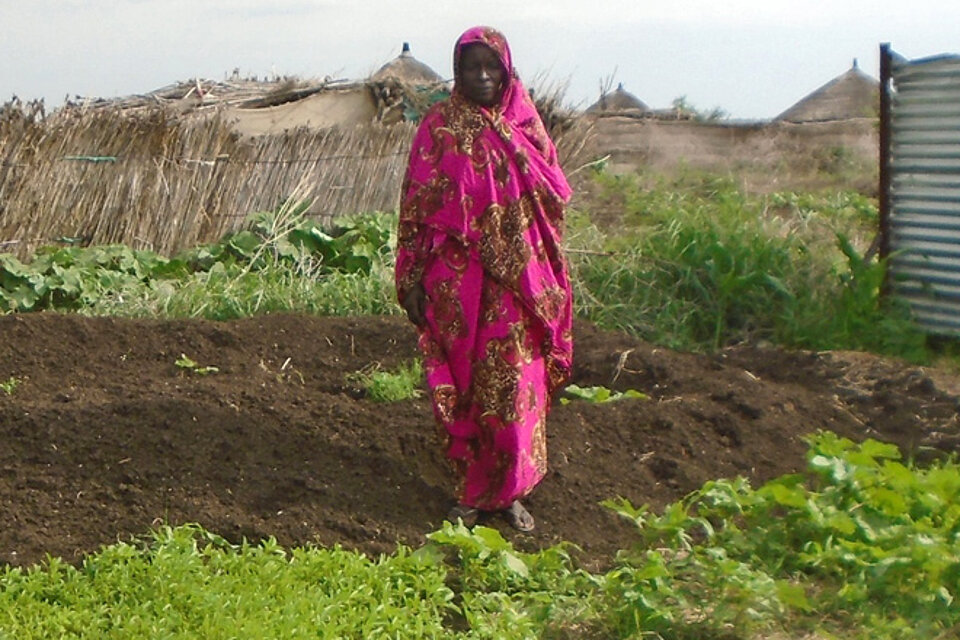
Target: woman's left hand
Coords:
[[415, 304]]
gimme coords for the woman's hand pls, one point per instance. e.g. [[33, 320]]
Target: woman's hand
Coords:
[[415, 303]]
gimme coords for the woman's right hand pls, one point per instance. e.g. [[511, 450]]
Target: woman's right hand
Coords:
[[415, 303]]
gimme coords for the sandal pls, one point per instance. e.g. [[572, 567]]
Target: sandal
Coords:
[[465, 514], [519, 518]]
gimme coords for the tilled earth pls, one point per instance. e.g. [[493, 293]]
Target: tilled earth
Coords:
[[106, 437]]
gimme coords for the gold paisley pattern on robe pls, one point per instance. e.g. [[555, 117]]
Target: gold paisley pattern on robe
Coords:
[[534, 131], [491, 301], [429, 197], [445, 398], [556, 373], [464, 123], [455, 255], [447, 311], [540, 252], [504, 250], [500, 163], [523, 161], [551, 205], [502, 127], [408, 280], [496, 377], [432, 352], [539, 452], [410, 239], [550, 302], [481, 156]]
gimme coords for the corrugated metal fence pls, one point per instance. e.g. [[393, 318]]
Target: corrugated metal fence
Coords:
[[920, 185]]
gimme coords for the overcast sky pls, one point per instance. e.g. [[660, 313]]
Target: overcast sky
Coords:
[[751, 58]]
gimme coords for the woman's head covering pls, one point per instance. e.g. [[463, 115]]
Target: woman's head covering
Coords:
[[515, 102], [489, 37]]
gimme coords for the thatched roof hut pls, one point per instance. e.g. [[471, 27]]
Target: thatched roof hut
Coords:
[[853, 94], [401, 90], [619, 102], [407, 69]]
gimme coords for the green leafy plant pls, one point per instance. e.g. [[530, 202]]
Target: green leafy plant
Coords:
[[306, 266], [506, 593], [10, 384], [192, 366], [694, 264], [390, 386], [599, 394], [684, 109], [867, 542]]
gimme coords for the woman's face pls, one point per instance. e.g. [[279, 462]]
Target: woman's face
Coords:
[[481, 75]]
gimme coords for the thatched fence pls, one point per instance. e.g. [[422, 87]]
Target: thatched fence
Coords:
[[157, 180], [164, 183]]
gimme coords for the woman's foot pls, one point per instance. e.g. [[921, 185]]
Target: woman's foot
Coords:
[[519, 518], [467, 515]]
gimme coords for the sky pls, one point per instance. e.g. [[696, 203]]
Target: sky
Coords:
[[751, 58]]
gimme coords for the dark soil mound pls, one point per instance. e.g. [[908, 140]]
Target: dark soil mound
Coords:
[[105, 436]]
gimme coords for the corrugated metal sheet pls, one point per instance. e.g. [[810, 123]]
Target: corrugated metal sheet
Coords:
[[924, 220]]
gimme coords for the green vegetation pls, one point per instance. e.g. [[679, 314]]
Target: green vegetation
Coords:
[[599, 394], [188, 364], [10, 384], [693, 263], [188, 583], [863, 546], [280, 262], [703, 265], [390, 386], [683, 109]]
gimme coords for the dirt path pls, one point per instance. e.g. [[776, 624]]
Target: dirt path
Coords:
[[105, 436]]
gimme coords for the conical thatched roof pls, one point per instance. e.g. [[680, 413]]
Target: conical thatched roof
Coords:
[[616, 102], [853, 94], [408, 69]]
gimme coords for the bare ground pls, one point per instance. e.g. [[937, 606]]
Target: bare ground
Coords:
[[105, 437]]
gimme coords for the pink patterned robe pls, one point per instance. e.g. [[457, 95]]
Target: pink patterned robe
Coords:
[[480, 229]]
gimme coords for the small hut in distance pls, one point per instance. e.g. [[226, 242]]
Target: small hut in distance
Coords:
[[618, 103], [407, 87], [853, 94], [405, 68]]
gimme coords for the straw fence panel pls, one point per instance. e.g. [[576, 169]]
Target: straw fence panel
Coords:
[[159, 181], [155, 181]]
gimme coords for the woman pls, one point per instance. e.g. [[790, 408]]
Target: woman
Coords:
[[481, 274]]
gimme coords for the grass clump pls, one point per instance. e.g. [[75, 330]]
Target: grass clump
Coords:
[[188, 583], [390, 386], [9, 385], [282, 263], [227, 293], [698, 264]]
